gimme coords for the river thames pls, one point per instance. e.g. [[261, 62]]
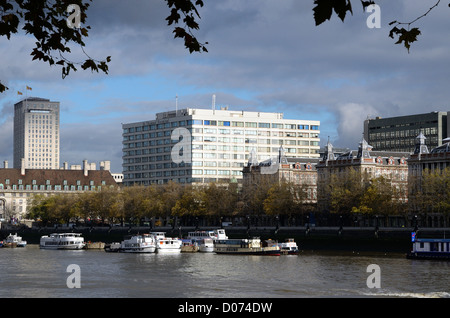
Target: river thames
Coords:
[[34, 273]]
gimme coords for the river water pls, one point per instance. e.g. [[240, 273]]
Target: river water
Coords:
[[31, 272]]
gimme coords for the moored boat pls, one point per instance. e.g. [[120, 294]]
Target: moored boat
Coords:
[[205, 239], [252, 246], [112, 247], [138, 244], [289, 247], [166, 244], [189, 246], [62, 241], [430, 249], [13, 240]]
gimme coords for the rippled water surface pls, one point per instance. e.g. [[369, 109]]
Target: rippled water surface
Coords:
[[32, 272]]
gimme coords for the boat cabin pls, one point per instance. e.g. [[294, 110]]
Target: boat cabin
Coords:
[[432, 245]]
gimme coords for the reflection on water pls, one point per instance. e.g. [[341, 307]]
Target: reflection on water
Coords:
[[31, 272]]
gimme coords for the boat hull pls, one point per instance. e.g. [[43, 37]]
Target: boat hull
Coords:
[[66, 247], [168, 250], [151, 249], [206, 249], [230, 251], [429, 255]]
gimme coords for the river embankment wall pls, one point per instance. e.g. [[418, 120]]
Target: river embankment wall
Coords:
[[316, 238]]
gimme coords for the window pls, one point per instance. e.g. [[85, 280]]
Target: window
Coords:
[[223, 123], [314, 127]]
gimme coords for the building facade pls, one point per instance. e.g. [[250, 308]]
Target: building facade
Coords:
[[36, 134], [399, 133], [366, 163], [208, 145], [18, 186], [298, 172]]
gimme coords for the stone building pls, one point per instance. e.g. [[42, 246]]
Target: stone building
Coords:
[[296, 171], [18, 186], [366, 162]]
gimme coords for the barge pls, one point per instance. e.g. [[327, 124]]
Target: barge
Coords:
[[252, 246]]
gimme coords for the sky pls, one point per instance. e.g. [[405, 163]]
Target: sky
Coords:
[[263, 55]]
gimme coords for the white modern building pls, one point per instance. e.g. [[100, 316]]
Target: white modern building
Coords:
[[208, 145], [36, 134]]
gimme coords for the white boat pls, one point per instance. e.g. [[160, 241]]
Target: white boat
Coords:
[[138, 244], [289, 247], [12, 240], [62, 241], [166, 244], [205, 239]]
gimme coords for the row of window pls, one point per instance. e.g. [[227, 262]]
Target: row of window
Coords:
[[218, 147], [219, 123], [48, 182], [179, 180], [403, 133], [159, 174], [266, 133], [50, 187], [159, 166]]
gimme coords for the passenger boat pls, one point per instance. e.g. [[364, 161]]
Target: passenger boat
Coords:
[[166, 244], [12, 240], [205, 239], [289, 247], [431, 249], [189, 246], [62, 241], [138, 244], [252, 246]]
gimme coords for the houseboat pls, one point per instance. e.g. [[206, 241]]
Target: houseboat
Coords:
[[13, 240], [62, 241], [166, 244], [205, 239], [288, 247], [432, 249], [252, 246]]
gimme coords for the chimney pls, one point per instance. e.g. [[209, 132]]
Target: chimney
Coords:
[[5, 164], [66, 165], [85, 168], [22, 166], [105, 165]]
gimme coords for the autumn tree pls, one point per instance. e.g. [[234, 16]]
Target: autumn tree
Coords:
[[324, 9], [283, 200], [191, 203]]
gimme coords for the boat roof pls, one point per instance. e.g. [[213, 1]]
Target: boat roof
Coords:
[[432, 240]]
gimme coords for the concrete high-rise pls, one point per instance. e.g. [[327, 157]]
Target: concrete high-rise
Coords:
[[36, 134], [216, 147]]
